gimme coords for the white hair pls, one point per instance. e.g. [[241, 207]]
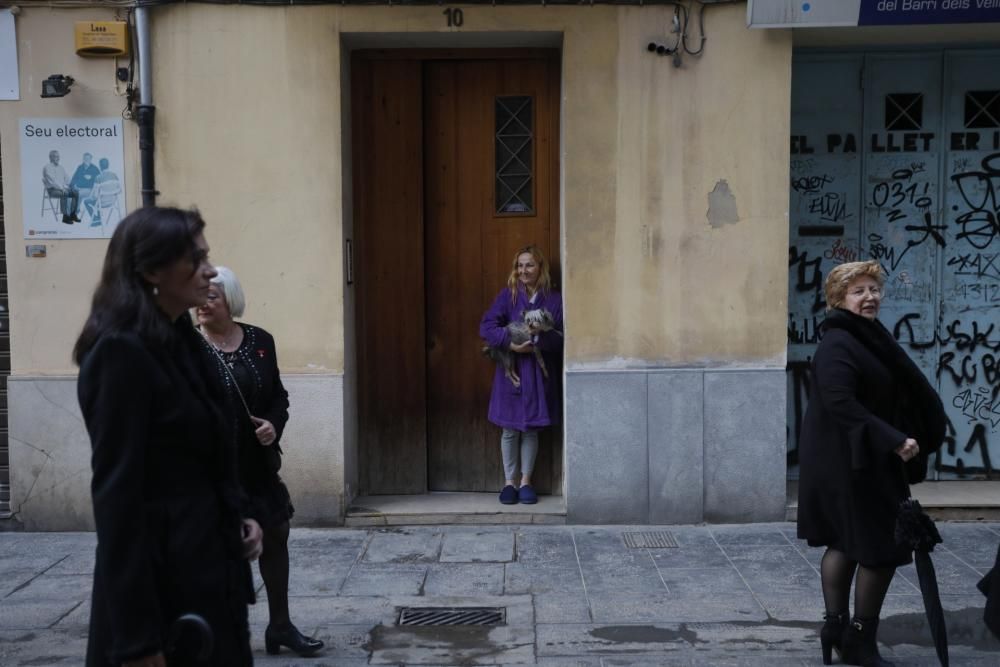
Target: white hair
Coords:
[[231, 289]]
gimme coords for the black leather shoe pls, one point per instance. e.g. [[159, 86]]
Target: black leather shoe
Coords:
[[859, 646], [290, 637], [832, 633]]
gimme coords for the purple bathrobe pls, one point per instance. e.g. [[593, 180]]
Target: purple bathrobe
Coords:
[[536, 402]]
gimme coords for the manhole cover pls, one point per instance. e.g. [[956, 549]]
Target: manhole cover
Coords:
[[452, 616], [658, 540]]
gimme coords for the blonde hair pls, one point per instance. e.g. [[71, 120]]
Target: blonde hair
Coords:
[[842, 275], [544, 279]]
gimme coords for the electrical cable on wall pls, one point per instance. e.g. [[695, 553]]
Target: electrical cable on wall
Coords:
[[125, 74], [127, 112], [678, 27], [683, 13]]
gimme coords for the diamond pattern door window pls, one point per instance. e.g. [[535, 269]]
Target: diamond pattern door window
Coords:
[[982, 109], [514, 150], [904, 111]]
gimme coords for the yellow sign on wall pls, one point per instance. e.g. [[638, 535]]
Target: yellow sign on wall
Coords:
[[102, 38]]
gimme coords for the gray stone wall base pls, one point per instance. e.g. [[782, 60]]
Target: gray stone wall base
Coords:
[[49, 455], [313, 442], [657, 447], [675, 446], [50, 452]]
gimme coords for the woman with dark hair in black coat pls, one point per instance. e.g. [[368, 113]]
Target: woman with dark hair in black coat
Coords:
[[167, 503], [872, 420]]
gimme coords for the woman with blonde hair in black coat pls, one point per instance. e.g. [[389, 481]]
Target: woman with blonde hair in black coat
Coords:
[[871, 423]]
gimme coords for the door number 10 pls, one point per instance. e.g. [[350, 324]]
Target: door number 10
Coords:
[[454, 17]]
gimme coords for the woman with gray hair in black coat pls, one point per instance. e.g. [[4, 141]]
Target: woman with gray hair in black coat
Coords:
[[246, 362], [871, 423]]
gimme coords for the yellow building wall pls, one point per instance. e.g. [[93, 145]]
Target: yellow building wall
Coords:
[[696, 276], [249, 130], [50, 297]]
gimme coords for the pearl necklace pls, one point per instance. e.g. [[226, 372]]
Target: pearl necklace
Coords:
[[224, 343]]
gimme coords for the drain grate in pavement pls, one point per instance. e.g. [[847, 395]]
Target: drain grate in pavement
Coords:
[[657, 540], [452, 616]]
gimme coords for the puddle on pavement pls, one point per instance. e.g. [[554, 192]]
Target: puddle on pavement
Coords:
[[965, 628], [459, 637], [411, 558], [452, 645], [644, 634]]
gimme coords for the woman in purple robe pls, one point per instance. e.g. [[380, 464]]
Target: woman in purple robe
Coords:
[[522, 409]]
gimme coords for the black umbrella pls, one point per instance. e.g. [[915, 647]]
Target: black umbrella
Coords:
[[190, 640], [916, 530]]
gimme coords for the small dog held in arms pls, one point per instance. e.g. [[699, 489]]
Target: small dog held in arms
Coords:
[[527, 329]]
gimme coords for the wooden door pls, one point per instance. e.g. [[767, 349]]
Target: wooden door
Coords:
[[445, 252], [480, 117], [389, 276]]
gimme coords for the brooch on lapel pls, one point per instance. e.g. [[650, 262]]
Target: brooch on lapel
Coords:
[[261, 353]]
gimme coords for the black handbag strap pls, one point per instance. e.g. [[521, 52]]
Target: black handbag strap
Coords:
[[225, 366]]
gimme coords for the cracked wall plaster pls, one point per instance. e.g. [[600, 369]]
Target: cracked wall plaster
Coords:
[[722, 206]]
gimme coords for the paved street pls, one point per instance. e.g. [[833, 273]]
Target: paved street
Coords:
[[572, 596]]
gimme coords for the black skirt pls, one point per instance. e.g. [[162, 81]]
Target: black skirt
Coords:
[[270, 502]]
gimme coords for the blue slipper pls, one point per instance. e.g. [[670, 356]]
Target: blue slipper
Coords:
[[508, 496], [527, 495]]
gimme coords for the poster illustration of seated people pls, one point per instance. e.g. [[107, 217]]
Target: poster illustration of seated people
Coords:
[[72, 177]]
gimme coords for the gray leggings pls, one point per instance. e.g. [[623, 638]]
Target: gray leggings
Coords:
[[529, 450]]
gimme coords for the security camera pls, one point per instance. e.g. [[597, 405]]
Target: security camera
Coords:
[[56, 85]]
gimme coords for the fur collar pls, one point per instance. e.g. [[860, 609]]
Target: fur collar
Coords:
[[874, 336], [919, 407]]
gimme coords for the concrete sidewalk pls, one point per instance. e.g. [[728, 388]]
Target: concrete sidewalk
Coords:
[[571, 595]]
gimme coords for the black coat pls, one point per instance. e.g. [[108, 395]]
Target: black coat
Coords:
[[866, 398], [254, 365], [265, 398], [166, 500], [990, 587], [269, 400]]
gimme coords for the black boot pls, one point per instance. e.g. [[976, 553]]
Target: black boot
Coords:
[[290, 636], [832, 633], [859, 646]]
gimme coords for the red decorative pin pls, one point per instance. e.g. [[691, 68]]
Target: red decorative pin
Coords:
[[260, 353]]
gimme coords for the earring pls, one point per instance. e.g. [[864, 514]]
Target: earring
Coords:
[[156, 290]]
